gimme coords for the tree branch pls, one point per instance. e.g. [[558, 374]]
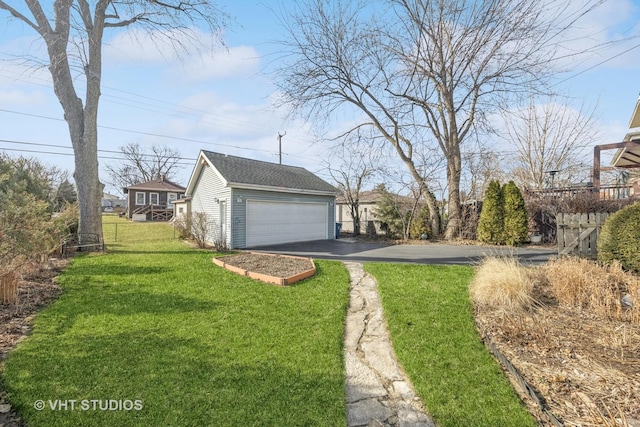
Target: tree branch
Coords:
[[19, 15]]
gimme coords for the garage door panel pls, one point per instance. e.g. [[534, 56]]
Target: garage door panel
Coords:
[[281, 222]]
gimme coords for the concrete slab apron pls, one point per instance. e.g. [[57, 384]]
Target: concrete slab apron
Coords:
[[377, 389]]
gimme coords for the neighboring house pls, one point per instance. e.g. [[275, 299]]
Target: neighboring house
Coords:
[[111, 202], [367, 203], [367, 206], [153, 200], [254, 203], [628, 156]]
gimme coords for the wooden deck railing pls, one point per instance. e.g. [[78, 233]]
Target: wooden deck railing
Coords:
[[605, 192], [158, 213]]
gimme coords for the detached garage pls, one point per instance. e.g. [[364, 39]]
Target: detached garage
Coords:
[[250, 203]]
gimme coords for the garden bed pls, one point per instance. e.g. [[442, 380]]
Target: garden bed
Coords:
[[585, 366], [281, 270]]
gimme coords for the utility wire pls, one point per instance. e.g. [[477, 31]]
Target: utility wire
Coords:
[[597, 65], [185, 112], [271, 152], [139, 132], [148, 155]]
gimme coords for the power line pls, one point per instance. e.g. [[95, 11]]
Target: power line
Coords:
[[140, 132], [135, 104], [8, 141], [157, 135], [50, 152], [22, 150], [598, 64]]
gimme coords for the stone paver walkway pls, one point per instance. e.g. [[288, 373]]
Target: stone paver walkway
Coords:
[[378, 392]]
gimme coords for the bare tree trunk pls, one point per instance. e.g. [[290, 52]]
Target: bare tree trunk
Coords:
[[73, 23], [88, 184], [355, 215], [454, 171], [82, 121], [434, 218]]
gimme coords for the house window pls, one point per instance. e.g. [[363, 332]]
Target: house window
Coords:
[[180, 210], [154, 199], [141, 198]]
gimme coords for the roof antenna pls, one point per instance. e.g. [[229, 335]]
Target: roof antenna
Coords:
[[280, 144]]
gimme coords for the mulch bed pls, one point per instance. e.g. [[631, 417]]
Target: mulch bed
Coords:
[[272, 265], [586, 367]]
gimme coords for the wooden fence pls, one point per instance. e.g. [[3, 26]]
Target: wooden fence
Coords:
[[578, 234], [8, 288]]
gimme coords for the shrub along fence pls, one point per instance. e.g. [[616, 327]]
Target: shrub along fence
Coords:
[[578, 233]]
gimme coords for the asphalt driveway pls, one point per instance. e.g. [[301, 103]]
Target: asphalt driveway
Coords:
[[430, 253]]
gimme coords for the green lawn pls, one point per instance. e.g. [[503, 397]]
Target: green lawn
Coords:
[[197, 345], [155, 321], [431, 323]]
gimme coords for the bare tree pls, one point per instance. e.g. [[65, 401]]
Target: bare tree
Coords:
[[73, 36], [425, 74], [140, 166], [336, 58], [479, 169], [549, 137], [358, 163]]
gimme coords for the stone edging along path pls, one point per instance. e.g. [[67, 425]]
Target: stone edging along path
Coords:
[[378, 391]]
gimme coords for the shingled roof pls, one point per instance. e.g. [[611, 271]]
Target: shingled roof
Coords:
[[161, 184], [242, 172]]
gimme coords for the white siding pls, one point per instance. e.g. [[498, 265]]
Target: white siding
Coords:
[[239, 210], [207, 189], [271, 222]]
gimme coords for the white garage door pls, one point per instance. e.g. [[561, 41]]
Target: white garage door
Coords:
[[270, 223]]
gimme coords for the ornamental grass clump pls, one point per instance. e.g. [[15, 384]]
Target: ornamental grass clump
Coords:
[[606, 290], [503, 284]]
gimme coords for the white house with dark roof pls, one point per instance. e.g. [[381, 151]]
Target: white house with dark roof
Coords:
[[255, 203]]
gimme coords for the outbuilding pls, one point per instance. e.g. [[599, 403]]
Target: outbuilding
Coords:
[[250, 203]]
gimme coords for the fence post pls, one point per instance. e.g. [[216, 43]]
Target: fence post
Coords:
[[116, 236]]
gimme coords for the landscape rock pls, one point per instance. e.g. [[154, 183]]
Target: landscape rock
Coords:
[[377, 390], [366, 411]]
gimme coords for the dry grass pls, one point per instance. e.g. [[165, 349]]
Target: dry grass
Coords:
[[504, 284], [580, 346], [600, 289]]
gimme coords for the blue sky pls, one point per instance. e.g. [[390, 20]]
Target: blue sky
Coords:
[[222, 102]]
